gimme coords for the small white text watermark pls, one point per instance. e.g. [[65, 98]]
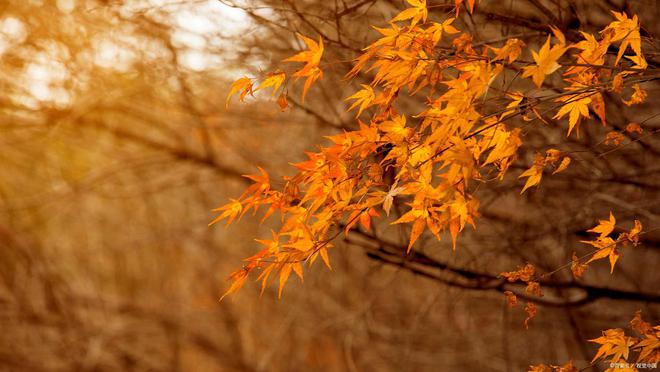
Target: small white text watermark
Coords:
[[633, 365]]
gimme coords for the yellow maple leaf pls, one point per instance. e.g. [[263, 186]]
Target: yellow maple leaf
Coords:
[[311, 58], [417, 230], [324, 256], [242, 85], [639, 61], [534, 173], [592, 52], [364, 98], [605, 227], [576, 107], [238, 278], [418, 217], [510, 51], [512, 107], [546, 59], [314, 75], [615, 344], [273, 79], [230, 211], [415, 14], [505, 146], [649, 347], [285, 272], [627, 30], [606, 248], [395, 129]]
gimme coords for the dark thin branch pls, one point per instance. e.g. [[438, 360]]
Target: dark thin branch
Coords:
[[421, 264]]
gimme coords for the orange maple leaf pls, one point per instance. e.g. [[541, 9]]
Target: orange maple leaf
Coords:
[[470, 5], [229, 211]]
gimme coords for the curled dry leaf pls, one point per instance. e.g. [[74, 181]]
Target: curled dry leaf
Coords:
[[614, 138], [634, 128], [511, 299], [282, 102], [524, 274], [563, 165], [639, 95], [534, 288], [530, 309], [577, 268], [638, 325]]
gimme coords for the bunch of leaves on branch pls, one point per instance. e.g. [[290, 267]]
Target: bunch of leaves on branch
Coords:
[[435, 160]]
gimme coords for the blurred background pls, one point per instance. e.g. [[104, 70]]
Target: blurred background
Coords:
[[116, 144]]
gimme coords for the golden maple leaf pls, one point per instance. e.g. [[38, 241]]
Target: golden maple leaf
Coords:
[[311, 58], [605, 227], [243, 85], [415, 14], [534, 173], [615, 344], [626, 30], [606, 248], [510, 51], [364, 98], [546, 59], [576, 107], [273, 79]]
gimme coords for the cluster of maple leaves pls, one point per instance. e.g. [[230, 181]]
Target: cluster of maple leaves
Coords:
[[433, 159], [605, 247], [617, 349]]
